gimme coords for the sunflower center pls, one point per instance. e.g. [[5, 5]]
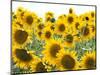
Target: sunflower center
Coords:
[[87, 18], [41, 26], [48, 34], [62, 27], [85, 31], [70, 10], [68, 62], [21, 36], [29, 20], [92, 14], [40, 67], [23, 55], [52, 27], [48, 19], [90, 63], [77, 24], [54, 49], [69, 38], [40, 33], [70, 19]]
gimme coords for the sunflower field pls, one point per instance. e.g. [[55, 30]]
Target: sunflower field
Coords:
[[48, 44]]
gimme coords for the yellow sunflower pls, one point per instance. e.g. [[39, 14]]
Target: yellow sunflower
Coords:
[[75, 28], [29, 20], [67, 60], [20, 13], [60, 27], [85, 32], [39, 26], [22, 58], [77, 24], [93, 16], [71, 11], [92, 26], [62, 16], [71, 17], [69, 39], [39, 66], [14, 16], [17, 23], [39, 34], [51, 48], [49, 16], [88, 17], [88, 61], [20, 37], [47, 33], [50, 25]]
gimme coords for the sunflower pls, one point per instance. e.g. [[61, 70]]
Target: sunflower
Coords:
[[92, 26], [67, 60], [85, 32], [69, 39], [29, 20], [88, 17], [39, 66], [60, 27], [17, 23], [77, 24], [20, 37], [49, 16], [93, 16], [22, 58], [39, 35], [71, 17], [75, 28], [50, 25], [71, 11], [88, 61], [14, 16], [20, 13], [39, 26], [51, 48], [47, 34], [62, 16]]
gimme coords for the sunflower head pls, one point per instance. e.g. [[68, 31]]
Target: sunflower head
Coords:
[[71, 11], [50, 51], [71, 17], [85, 32], [60, 26], [88, 61], [29, 19], [67, 60], [47, 33], [39, 34], [20, 36], [22, 57], [49, 17], [69, 39], [20, 13], [39, 66]]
